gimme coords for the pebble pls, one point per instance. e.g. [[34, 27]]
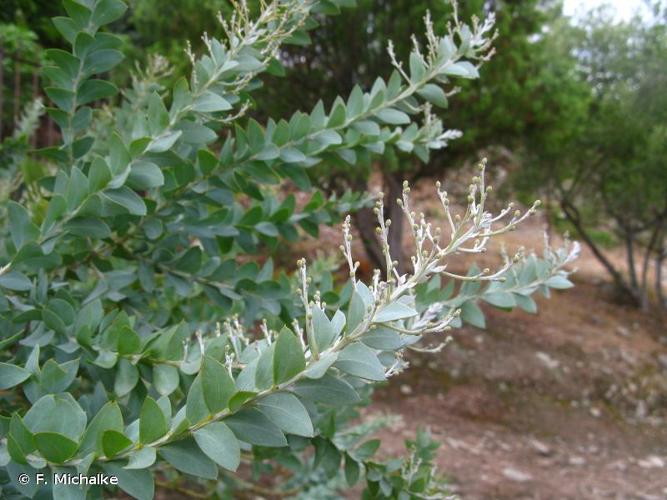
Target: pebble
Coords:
[[504, 446], [642, 409], [618, 465], [577, 461], [628, 357], [623, 331], [547, 360], [406, 389], [662, 359], [596, 412], [540, 447], [516, 475], [652, 462], [457, 444]]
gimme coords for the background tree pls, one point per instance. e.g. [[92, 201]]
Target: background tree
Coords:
[[605, 166], [35, 15], [492, 111], [144, 332]]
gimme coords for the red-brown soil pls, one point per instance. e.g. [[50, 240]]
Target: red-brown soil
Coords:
[[570, 403]]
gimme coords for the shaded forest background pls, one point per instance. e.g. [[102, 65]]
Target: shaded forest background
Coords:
[[573, 111]]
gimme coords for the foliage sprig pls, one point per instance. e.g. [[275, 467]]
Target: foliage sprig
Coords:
[[133, 275]]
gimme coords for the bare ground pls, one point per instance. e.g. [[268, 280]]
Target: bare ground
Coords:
[[570, 403]]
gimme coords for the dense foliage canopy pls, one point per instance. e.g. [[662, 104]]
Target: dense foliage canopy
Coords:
[[143, 325]]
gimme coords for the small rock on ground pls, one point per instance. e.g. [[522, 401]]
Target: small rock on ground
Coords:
[[540, 447], [516, 475], [652, 461]]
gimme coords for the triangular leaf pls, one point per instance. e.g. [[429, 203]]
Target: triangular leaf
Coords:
[[288, 357], [287, 412], [358, 360], [219, 443]]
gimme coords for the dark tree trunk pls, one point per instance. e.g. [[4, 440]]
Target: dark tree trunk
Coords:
[[35, 95], [660, 297], [2, 85], [17, 87], [660, 255], [366, 222], [653, 245], [630, 256], [393, 192], [547, 212], [574, 217], [644, 300]]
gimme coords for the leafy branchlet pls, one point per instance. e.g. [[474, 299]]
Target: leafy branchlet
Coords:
[[469, 233], [141, 229]]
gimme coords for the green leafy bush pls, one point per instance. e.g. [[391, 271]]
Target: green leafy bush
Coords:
[[15, 165], [603, 164], [135, 274]]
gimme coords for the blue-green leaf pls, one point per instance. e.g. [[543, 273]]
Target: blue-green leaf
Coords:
[[559, 283], [211, 103], [55, 447], [252, 426], [107, 11], [464, 69], [288, 357], [127, 199], [287, 412], [136, 483], [14, 280], [218, 442], [360, 361], [217, 384], [327, 390], [152, 422], [11, 375], [186, 456], [393, 116], [393, 312]]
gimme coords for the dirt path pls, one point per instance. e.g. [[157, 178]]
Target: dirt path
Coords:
[[569, 403]]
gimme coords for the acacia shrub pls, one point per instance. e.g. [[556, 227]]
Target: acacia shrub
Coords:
[[140, 338]]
